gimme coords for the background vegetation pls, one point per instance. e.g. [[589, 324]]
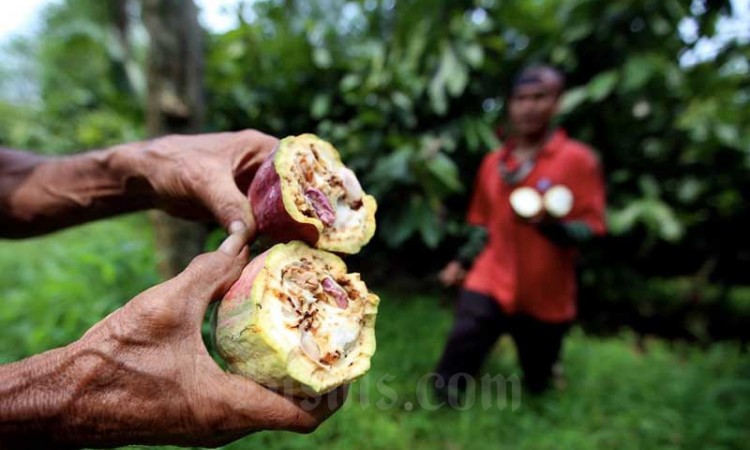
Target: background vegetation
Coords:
[[413, 94]]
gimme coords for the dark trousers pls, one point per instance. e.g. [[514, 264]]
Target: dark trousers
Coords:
[[479, 322]]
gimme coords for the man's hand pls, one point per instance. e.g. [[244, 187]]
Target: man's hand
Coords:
[[452, 274], [203, 177], [143, 376]]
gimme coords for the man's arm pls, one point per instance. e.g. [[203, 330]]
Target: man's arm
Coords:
[[475, 242], [197, 177], [42, 194], [477, 217]]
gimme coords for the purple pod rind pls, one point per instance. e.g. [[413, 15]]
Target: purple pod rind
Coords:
[[304, 192], [269, 210]]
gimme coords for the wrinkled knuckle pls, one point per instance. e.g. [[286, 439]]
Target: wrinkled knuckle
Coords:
[[248, 133], [263, 141], [233, 211]]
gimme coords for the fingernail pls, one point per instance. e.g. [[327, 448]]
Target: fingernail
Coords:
[[233, 244], [236, 227]]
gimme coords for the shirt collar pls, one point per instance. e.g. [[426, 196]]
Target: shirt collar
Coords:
[[554, 143]]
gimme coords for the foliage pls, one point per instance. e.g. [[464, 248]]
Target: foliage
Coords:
[[675, 308], [77, 85]]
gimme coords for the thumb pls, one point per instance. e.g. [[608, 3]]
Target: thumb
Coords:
[[259, 407], [210, 275], [229, 206]]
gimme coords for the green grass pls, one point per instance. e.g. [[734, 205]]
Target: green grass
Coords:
[[55, 287], [620, 395]]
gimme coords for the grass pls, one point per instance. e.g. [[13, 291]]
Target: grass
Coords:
[[619, 395], [54, 288]]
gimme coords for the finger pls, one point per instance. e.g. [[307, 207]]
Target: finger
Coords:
[[253, 148], [209, 276], [238, 239], [262, 408], [227, 204]]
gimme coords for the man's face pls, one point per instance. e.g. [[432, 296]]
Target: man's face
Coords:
[[532, 106]]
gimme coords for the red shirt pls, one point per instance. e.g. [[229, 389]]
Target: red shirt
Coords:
[[521, 268]]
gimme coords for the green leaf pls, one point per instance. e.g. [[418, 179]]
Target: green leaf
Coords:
[[394, 167], [402, 101], [664, 220], [429, 227], [400, 227], [451, 79], [322, 57], [430, 231], [456, 73], [729, 135], [637, 71], [602, 85], [350, 81], [445, 170], [473, 54], [658, 217], [572, 99], [320, 106], [649, 186], [620, 221]]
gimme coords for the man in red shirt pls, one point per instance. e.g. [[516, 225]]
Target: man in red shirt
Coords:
[[518, 268]]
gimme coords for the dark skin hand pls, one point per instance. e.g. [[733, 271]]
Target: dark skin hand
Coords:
[[142, 375], [453, 274]]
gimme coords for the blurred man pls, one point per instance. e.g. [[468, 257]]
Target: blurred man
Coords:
[[518, 274], [142, 375]]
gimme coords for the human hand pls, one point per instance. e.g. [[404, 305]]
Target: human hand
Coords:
[[202, 177], [452, 274], [143, 375]]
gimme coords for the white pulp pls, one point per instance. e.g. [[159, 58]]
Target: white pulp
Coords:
[[558, 201], [526, 202]]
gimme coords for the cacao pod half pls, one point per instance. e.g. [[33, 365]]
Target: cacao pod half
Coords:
[[303, 191], [297, 322]]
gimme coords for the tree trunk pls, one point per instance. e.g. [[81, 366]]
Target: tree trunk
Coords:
[[175, 104]]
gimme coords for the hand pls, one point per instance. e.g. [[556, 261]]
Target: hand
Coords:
[[205, 176], [453, 274], [168, 387], [143, 376]]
